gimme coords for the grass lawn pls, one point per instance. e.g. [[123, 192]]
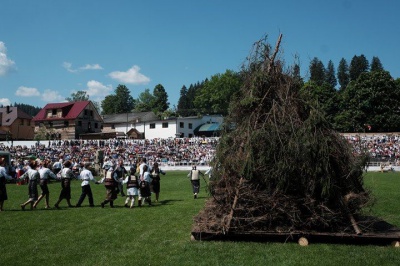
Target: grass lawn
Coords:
[[160, 235]]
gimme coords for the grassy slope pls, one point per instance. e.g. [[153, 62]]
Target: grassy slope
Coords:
[[160, 235]]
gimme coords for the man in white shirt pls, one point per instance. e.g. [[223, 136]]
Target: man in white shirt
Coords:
[[86, 176]]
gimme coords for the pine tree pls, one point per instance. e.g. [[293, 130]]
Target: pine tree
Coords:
[[358, 65], [317, 71], [343, 74], [376, 64], [330, 75]]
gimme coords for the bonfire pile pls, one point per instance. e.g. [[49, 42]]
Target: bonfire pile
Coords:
[[279, 166]]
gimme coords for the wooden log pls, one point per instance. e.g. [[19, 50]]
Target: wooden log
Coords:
[[303, 241], [350, 215], [229, 218], [396, 244]]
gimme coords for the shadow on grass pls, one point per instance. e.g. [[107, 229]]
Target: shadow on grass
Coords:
[[166, 202]]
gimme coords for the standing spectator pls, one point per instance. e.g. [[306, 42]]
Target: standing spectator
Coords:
[[66, 177], [33, 176], [155, 183], [194, 175], [86, 176], [44, 173], [4, 176], [111, 183], [121, 172]]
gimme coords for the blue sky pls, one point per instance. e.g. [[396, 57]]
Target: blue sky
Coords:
[[50, 49]]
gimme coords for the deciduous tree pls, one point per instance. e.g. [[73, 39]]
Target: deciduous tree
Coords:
[[78, 96], [118, 103], [216, 94], [160, 100]]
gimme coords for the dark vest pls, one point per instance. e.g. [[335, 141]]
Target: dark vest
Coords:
[[132, 182], [109, 180]]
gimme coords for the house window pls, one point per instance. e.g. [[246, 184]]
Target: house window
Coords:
[[50, 124], [181, 125], [165, 125], [96, 125], [54, 112], [91, 113], [113, 126], [152, 125], [79, 123], [66, 123], [190, 125], [190, 135]]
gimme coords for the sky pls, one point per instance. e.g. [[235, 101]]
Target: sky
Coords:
[[51, 49]]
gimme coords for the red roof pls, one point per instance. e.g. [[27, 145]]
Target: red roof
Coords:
[[70, 110]]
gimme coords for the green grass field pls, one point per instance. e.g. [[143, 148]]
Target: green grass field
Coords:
[[160, 235]]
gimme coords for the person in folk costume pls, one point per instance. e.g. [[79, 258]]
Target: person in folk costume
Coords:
[[132, 191], [66, 177], [145, 193], [143, 164], [33, 177], [110, 181], [155, 183], [45, 174], [107, 164], [75, 167], [57, 166], [20, 171], [86, 176], [121, 172], [4, 176], [194, 175]]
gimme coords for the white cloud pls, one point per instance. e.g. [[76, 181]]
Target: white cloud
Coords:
[[91, 67], [5, 101], [50, 96], [97, 89], [6, 65], [68, 67], [131, 76], [27, 92]]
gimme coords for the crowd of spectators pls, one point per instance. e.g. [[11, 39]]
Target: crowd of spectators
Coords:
[[171, 151], [380, 147], [174, 151]]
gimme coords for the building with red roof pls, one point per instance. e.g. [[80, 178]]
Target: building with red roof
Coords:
[[15, 124], [67, 120]]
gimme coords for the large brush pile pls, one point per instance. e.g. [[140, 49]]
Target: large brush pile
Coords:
[[279, 166]]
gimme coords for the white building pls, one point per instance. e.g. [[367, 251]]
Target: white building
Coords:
[[147, 125]]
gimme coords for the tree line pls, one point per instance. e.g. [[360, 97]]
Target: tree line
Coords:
[[356, 97]]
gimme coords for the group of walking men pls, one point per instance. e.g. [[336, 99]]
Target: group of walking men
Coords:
[[139, 181]]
